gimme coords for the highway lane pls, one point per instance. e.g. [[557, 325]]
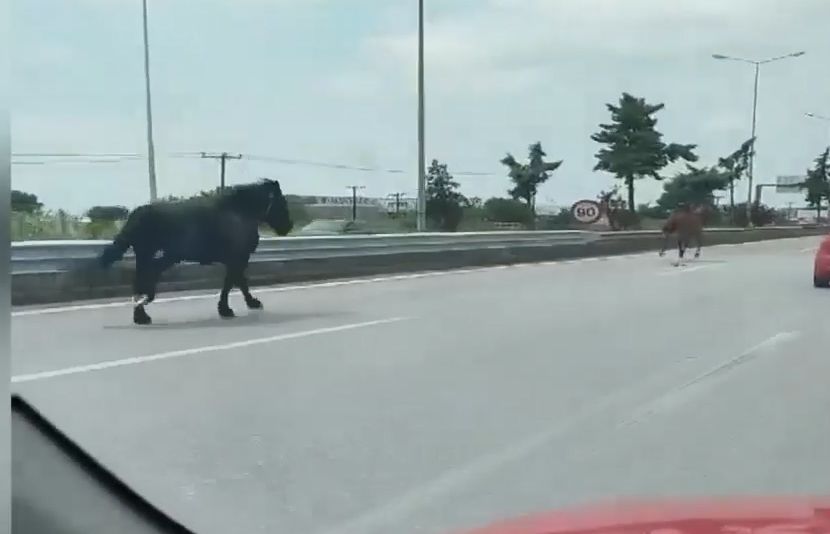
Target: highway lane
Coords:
[[427, 403]]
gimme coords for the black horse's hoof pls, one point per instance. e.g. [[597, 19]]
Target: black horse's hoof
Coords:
[[225, 312], [140, 316], [254, 304]]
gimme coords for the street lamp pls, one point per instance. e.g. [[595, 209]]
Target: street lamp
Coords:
[[422, 201], [821, 118], [757, 63], [151, 152]]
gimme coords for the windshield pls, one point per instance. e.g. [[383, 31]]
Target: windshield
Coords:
[[587, 266]]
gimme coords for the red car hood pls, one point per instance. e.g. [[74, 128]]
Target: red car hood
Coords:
[[734, 516]]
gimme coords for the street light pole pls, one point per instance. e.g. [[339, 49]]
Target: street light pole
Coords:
[[151, 152], [422, 202], [751, 169]]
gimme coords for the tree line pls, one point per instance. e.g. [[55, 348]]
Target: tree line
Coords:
[[631, 149]]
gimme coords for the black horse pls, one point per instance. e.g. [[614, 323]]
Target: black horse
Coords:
[[221, 229]]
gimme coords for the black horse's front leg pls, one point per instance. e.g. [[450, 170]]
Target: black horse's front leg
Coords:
[[252, 302], [142, 287], [225, 310]]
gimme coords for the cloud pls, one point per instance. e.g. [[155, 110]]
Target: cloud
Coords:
[[336, 83], [480, 48]]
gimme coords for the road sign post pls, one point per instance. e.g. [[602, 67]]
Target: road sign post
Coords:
[[789, 183], [586, 211]]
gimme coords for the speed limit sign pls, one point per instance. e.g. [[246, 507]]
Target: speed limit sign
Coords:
[[586, 211]]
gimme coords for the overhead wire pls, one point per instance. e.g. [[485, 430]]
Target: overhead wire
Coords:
[[48, 158]]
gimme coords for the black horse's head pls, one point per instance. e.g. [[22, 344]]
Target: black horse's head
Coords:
[[262, 201], [276, 213]]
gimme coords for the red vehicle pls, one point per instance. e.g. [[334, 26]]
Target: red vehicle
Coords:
[[821, 271], [744, 515]]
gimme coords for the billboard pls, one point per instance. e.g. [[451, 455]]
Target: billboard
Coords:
[[789, 184]]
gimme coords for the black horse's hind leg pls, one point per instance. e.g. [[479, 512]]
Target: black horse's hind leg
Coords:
[[148, 272], [699, 241], [157, 267]]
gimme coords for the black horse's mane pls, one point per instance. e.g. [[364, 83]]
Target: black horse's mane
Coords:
[[251, 197]]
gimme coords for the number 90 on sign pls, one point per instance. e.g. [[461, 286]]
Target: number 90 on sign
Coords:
[[586, 211]]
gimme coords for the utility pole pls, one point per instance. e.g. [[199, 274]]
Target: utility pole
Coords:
[[151, 152], [354, 189], [397, 197], [223, 157]]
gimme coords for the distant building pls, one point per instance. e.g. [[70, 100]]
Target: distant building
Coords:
[[549, 209], [400, 205], [340, 207], [807, 215], [345, 200]]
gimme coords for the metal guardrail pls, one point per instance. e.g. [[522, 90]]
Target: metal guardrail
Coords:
[[59, 255], [60, 271], [64, 255]]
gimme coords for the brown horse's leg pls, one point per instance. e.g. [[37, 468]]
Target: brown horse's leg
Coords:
[[699, 241], [665, 243]]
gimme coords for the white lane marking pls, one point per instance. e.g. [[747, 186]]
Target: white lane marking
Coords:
[[279, 289], [386, 516], [693, 387], [684, 269], [339, 283], [43, 375], [808, 249], [272, 289]]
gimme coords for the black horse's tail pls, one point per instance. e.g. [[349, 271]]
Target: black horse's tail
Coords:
[[123, 241]]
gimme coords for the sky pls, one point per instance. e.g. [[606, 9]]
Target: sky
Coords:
[[334, 81]]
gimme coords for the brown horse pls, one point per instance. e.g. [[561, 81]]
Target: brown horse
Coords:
[[687, 225]]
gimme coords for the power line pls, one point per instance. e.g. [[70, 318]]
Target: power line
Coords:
[[74, 161], [117, 157], [77, 154], [323, 164]]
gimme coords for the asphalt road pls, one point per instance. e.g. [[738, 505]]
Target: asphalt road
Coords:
[[438, 402]]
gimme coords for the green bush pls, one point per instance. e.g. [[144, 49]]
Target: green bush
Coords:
[[762, 215], [507, 210], [560, 221]]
